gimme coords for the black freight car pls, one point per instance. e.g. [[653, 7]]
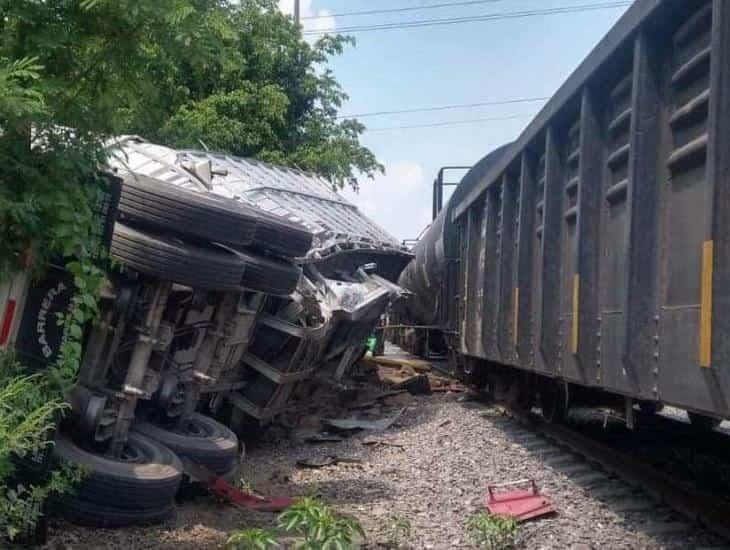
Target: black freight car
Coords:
[[592, 255]]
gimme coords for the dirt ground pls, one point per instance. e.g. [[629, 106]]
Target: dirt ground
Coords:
[[430, 468]]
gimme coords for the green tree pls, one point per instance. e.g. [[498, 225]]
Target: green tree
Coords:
[[268, 94]]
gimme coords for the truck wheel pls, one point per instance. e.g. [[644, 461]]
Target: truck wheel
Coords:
[[177, 261], [146, 477], [268, 275], [90, 514], [281, 237], [201, 439], [207, 216]]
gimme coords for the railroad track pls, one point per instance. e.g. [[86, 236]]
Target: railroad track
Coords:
[[666, 506]]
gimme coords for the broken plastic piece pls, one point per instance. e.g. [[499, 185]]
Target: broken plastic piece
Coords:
[[520, 504]]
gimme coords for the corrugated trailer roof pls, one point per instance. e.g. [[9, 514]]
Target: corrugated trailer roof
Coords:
[[339, 227]]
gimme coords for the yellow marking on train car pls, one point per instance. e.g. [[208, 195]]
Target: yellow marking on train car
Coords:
[[574, 332], [706, 306], [516, 316]]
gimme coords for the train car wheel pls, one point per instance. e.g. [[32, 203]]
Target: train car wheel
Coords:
[[651, 407], [554, 401], [471, 374], [703, 423]]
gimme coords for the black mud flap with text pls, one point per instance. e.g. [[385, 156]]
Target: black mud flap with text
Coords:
[[40, 335]]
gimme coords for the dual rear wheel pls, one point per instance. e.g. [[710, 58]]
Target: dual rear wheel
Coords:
[[139, 486]]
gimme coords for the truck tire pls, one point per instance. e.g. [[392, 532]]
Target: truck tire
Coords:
[[268, 275], [89, 514], [198, 215], [281, 237], [203, 440], [173, 260], [148, 479]]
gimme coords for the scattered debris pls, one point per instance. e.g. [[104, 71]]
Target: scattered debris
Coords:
[[454, 388], [310, 436], [520, 504], [381, 443], [399, 399], [415, 385], [326, 461], [372, 401], [349, 424], [417, 365], [221, 488]]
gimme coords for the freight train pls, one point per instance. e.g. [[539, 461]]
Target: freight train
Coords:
[[590, 258]]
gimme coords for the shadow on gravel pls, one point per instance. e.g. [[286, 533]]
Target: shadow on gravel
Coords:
[[353, 490]]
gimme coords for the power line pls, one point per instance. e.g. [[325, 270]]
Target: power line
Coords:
[[472, 19], [447, 107], [449, 123], [399, 10]]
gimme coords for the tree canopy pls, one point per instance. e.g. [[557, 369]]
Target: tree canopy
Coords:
[[234, 77]]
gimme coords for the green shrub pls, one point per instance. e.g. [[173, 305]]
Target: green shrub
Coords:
[[319, 526], [492, 532], [29, 406], [21, 506], [252, 539]]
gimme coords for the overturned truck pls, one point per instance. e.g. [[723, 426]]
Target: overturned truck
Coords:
[[235, 286]]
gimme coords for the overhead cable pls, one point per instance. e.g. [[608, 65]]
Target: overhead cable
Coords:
[[400, 10], [471, 19], [447, 107], [449, 123]]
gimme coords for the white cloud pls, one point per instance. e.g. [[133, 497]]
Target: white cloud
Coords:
[[324, 21], [399, 201]]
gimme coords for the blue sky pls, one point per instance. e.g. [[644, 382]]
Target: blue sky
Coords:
[[453, 64]]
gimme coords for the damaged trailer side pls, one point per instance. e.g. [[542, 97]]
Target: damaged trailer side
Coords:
[[319, 328]]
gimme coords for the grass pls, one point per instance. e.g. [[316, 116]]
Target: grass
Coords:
[[492, 532]]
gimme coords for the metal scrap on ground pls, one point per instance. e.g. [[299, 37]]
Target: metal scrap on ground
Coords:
[[348, 424], [518, 503]]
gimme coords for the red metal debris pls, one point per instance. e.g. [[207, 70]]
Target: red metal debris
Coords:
[[221, 488], [521, 504]]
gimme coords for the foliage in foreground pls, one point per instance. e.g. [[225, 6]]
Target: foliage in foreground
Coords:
[[492, 532], [320, 527], [315, 523], [28, 408], [21, 506], [252, 539]]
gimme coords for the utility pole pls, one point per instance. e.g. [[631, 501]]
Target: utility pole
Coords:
[[296, 11]]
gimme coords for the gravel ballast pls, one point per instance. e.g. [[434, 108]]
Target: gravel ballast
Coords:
[[431, 468]]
